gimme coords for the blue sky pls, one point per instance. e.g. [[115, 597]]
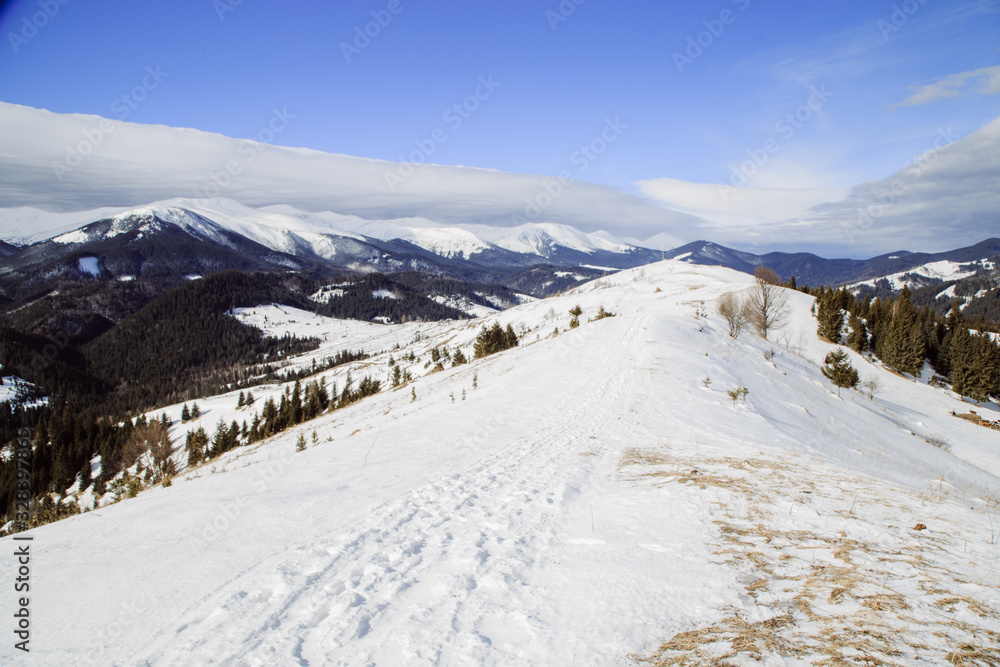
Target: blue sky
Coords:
[[882, 79]]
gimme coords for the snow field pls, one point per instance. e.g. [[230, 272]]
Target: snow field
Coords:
[[591, 502]]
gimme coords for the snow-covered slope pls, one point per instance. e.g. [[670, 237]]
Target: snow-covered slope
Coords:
[[580, 499], [943, 270], [287, 233], [25, 224], [539, 238]]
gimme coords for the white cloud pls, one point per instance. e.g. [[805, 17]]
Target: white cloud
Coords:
[[726, 206], [128, 164], [984, 81], [949, 198]]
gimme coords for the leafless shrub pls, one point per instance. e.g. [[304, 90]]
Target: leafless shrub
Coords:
[[940, 443], [870, 387], [767, 303], [734, 310], [150, 445], [739, 393]]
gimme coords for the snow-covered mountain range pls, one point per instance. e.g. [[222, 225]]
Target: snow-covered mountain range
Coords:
[[286, 238], [913, 269], [283, 237]]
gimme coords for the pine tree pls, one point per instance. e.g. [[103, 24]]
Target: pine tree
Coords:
[[241, 401], [219, 440], [960, 358], [270, 417], [185, 413], [296, 403], [255, 433], [913, 351], [86, 475], [985, 375], [300, 444], [510, 338], [857, 340], [839, 370], [284, 414], [195, 411], [831, 318], [902, 345], [233, 436], [196, 444], [494, 339], [575, 311]]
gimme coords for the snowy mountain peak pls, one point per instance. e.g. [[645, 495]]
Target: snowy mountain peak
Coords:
[[542, 238]]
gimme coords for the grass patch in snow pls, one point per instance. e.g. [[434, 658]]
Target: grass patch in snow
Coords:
[[866, 589]]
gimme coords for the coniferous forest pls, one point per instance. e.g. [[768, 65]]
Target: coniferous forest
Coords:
[[136, 347], [903, 337]]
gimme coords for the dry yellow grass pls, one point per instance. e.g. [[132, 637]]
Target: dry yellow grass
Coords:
[[839, 612]]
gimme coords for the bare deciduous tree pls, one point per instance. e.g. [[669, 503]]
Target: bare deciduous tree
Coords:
[[734, 310], [871, 387], [767, 303], [151, 445]]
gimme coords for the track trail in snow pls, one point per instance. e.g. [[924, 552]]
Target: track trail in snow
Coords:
[[454, 554]]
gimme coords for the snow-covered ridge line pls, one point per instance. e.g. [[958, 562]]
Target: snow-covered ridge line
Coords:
[[943, 270], [284, 229], [589, 494]]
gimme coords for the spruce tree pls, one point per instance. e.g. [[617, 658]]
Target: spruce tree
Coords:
[[195, 444], [913, 351], [255, 434], [233, 436], [831, 318], [509, 338], [839, 370], [270, 418], [219, 440], [857, 340], [185, 413], [86, 475], [324, 397], [985, 375], [296, 403], [960, 358]]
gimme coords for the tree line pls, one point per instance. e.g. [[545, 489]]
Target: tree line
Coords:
[[903, 336]]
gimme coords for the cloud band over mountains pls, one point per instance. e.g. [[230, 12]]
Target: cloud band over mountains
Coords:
[[945, 197]]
